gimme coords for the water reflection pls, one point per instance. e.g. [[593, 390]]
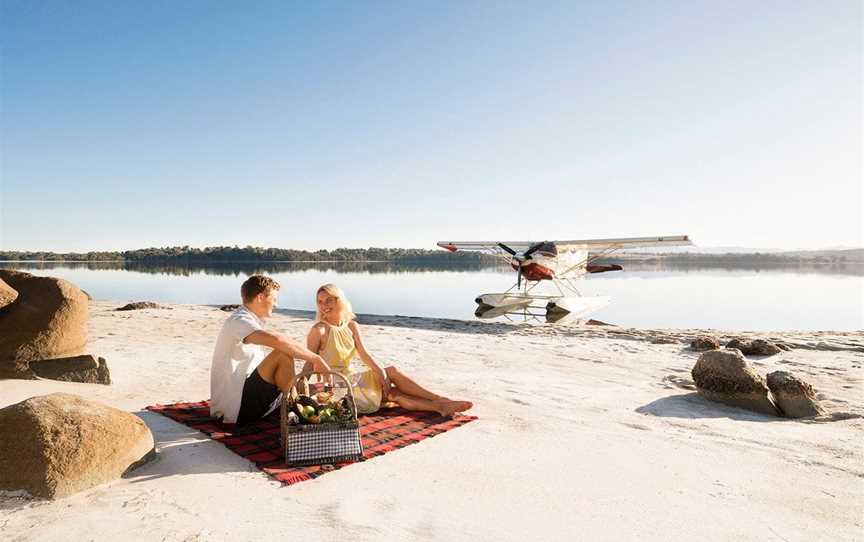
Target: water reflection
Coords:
[[271, 268], [644, 295], [849, 269]]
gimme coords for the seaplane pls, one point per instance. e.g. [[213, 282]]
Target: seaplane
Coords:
[[559, 263]]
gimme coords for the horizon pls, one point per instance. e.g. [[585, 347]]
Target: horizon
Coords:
[[669, 250], [393, 126]]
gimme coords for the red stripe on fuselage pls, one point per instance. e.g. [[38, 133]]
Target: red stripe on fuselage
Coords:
[[535, 271]]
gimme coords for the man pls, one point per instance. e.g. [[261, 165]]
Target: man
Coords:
[[251, 366]]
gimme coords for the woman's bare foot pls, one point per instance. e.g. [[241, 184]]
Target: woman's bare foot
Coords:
[[448, 408]]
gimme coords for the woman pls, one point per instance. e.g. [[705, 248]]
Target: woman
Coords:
[[336, 338]]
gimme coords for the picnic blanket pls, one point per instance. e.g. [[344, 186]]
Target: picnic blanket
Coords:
[[384, 431]]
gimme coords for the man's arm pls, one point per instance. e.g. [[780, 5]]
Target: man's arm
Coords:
[[286, 346]]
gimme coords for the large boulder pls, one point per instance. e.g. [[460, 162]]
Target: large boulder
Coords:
[[794, 397], [48, 320], [726, 377], [756, 347], [7, 294], [55, 445]]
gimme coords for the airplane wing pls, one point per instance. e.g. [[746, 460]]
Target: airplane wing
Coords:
[[597, 249], [484, 246], [590, 244], [626, 242]]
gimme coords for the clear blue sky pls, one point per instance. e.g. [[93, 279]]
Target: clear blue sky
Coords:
[[326, 124]]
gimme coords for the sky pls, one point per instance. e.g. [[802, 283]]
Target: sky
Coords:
[[312, 125]]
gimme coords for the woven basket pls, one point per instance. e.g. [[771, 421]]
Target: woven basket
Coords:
[[316, 444]]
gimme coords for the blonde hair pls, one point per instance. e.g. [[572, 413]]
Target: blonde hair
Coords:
[[335, 291]]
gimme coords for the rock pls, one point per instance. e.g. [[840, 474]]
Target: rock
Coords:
[[138, 305], [55, 445], [726, 377], [761, 347], [48, 320], [593, 322], [738, 344], [229, 308], [87, 369], [705, 342], [756, 347], [7, 294], [794, 397]]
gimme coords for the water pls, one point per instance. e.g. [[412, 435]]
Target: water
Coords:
[[791, 298]]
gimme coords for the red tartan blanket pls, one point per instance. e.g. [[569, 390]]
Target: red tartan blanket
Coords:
[[387, 430]]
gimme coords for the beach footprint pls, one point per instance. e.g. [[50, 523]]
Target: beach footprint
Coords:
[[675, 381]]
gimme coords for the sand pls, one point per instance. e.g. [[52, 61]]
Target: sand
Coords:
[[591, 433]]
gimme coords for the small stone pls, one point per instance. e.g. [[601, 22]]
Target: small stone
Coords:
[[229, 308], [738, 344], [704, 342], [756, 347], [88, 369], [761, 347], [794, 396], [138, 305]]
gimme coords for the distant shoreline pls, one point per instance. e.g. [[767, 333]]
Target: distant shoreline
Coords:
[[855, 258], [650, 260], [257, 255]]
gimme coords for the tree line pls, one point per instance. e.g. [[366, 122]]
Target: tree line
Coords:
[[226, 254], [188, 269]]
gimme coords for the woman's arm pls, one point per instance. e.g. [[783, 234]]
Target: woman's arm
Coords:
[[313, 340], [367, 358], [313, 343]]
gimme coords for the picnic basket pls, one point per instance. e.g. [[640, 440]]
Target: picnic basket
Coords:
[[325, 442]]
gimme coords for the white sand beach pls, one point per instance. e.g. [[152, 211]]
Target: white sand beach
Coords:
[[590, 433]]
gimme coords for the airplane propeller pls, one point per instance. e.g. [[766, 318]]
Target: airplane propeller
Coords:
[[520, 258]]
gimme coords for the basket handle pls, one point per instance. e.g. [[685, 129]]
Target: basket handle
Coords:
[[305, 375]]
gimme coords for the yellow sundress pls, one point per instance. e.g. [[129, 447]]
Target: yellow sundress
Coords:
[[339, 351]]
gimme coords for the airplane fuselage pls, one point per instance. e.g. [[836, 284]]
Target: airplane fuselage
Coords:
[[552, 262]]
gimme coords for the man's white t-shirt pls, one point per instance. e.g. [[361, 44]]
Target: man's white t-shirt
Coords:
[[233, 361]]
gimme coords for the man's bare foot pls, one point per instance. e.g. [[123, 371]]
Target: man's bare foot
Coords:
[[449, 408]]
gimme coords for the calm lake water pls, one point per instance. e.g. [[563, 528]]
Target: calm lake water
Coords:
[[812, 298]]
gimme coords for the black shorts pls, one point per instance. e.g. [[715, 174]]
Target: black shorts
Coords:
[[258, 396]]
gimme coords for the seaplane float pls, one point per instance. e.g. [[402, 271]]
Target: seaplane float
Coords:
[[559, 263]]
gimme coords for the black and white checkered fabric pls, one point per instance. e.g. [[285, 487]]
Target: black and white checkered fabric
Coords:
[[315, 445]]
